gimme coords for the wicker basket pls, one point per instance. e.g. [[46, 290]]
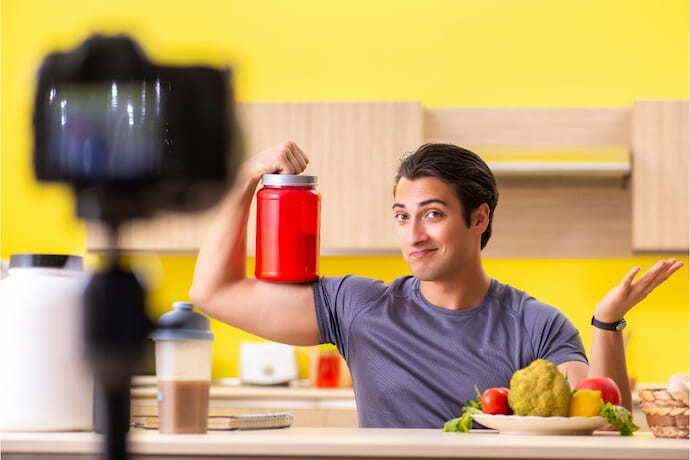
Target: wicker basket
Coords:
[[667, 417]]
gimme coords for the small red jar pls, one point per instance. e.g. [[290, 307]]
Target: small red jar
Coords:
[[287, 229], [328, 371]]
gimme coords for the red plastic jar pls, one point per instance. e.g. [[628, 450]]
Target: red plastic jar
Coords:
[[287, 229]]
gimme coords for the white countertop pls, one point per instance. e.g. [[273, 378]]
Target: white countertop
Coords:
[[360, 442], [251, 392]]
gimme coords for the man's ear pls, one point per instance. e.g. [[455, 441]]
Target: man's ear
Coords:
[[480, 218]]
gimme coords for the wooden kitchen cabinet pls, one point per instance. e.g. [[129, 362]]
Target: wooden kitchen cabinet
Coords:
[[563, 175], [564, 193], [660, 177], [354, 149]]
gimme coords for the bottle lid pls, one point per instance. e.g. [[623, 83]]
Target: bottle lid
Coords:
[[288, 179], [182, 323], [61, 261]]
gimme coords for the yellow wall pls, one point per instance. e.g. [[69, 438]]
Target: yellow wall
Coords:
[[658, 327], [442, 52]]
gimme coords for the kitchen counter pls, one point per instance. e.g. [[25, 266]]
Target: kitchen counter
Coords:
[[352, 443], [221, 392], [311, 407], [302, 401]]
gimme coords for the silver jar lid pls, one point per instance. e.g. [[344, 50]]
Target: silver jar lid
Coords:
[[288, 179]]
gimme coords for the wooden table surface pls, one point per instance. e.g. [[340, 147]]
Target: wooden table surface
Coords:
[[349, 443], [254, 393]]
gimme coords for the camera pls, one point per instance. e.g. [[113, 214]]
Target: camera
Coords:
[[130, 136]]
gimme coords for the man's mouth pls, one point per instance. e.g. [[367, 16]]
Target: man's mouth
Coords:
[[421, 253]]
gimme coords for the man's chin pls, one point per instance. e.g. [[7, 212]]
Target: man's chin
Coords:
[[422, 277], [424, 273]]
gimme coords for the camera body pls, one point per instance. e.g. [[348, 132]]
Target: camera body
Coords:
[[132, 137]]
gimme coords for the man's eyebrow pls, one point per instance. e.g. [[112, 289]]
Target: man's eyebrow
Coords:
[[432, 200], [422, 203]]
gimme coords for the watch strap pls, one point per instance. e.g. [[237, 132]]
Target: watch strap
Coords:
[[615, 326]]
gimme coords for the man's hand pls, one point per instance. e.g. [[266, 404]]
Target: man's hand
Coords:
[[285, 158], [627, 294]]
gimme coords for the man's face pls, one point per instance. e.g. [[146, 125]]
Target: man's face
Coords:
[[434, 238]]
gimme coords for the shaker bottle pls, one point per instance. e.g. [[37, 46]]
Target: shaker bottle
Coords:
[[287, 228], [183, 369]]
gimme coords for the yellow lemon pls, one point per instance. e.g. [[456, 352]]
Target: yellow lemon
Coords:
[[585, 403]]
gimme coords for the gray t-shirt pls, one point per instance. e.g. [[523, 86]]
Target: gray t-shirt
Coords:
[[414, 364]]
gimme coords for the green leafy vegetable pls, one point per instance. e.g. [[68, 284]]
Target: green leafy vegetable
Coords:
[[620, 418], [452, 425], [463, 424]]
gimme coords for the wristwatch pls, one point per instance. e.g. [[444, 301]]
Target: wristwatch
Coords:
[[617, 326]]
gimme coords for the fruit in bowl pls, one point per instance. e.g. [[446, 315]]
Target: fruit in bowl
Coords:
[[494, 401], [585, 403], [608, 388], [543, 403]]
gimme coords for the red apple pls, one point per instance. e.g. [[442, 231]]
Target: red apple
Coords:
[[609, 389]]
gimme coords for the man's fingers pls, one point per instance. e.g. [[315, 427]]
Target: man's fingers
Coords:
[[295, 158], [302, 155], [629, 277], [644, 285], [668, 267], [671, 267], [287, 157], [650, 274], [285, 166], [670, 270], [300, 159]]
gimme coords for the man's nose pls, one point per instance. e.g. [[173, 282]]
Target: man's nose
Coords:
[[416, 232]]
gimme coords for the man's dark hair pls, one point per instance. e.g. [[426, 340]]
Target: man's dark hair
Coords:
[[469, 175]]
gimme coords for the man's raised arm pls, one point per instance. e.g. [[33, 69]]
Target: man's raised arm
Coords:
[[607, 357], [280, 312]]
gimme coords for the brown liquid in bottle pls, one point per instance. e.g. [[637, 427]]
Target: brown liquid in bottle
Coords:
[[183, 406]]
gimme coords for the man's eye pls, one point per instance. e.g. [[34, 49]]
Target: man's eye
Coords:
[[433, 214], [400, 217]]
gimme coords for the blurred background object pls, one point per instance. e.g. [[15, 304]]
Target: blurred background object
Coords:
[[46, 385], [267, 363], [123, 133]]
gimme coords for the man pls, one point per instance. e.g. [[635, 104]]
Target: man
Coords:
[[415, 347]]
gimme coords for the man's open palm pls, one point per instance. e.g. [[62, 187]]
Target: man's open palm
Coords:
[[629, 293]]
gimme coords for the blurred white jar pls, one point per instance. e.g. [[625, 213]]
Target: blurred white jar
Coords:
[[46, 384]]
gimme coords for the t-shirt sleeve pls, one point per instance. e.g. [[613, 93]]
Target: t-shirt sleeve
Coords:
[[554, 337], [338, 301]]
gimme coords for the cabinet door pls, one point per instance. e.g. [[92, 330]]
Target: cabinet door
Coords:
[[354, 149], [660, 176]]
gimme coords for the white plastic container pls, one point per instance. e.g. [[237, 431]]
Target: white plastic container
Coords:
[[46, 384]]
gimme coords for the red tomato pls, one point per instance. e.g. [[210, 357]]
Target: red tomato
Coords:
[[495, 401], [609, 389]]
